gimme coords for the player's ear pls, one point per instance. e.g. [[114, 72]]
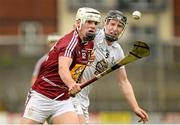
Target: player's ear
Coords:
[[106, 21], [77, 24]]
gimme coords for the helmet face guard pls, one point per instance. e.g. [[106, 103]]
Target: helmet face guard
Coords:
[[84, 14], [115, 15]]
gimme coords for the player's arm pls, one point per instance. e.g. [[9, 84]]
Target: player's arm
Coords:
[[64, 72], [128, 93], [33, 79]]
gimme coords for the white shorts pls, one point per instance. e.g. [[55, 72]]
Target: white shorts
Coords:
[[80, 110], [39, 107]]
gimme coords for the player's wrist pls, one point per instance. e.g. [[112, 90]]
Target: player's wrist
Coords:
[[135, 108], [70, 85]]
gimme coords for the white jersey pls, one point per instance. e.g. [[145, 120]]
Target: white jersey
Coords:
[[104, 53]]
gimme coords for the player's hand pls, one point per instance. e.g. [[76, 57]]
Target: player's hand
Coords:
[[142, 114], [73, 90]]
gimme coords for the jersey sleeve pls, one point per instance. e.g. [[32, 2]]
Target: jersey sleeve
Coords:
[[120, 54], [99, 37], [67, 46]]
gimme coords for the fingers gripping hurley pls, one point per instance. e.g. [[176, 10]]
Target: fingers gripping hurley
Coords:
[[139, 50]]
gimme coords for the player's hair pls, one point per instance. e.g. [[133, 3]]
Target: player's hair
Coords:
[[117, 15]]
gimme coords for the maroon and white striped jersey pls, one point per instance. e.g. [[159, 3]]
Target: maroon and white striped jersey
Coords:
[[49, 82]]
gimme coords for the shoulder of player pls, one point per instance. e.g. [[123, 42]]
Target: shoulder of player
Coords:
[[99, 34], [71, 35], [99, 30], [115, 44], [68, 38], [43, 57], [41, 60]]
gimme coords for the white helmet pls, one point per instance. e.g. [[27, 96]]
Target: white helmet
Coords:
[[86, 13]]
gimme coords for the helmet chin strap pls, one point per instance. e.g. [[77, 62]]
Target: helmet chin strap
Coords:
[[89, 37], [110, 38]]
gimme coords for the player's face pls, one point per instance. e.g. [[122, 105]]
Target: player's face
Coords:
[[88, 26], [114, 27]]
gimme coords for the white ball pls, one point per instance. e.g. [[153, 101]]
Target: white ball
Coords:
[[136, 15]]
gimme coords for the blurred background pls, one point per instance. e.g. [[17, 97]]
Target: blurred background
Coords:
[[25, 25]]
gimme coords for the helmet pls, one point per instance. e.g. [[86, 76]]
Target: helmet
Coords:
[[86, 13], [117, 15], [53, 38]]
